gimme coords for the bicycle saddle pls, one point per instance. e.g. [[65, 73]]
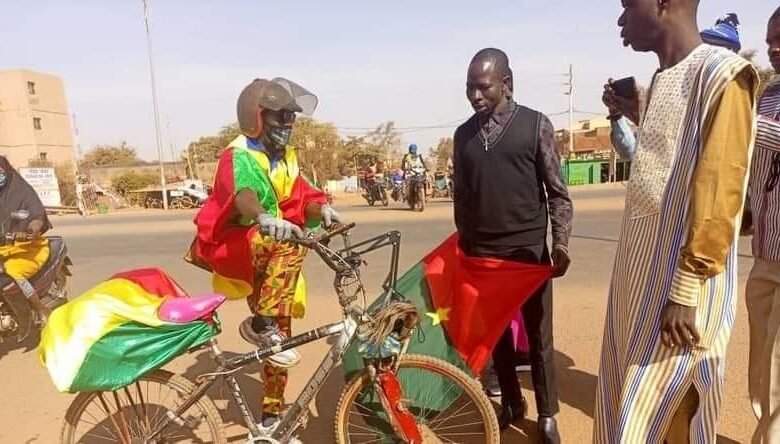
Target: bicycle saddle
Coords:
[[188, 309]]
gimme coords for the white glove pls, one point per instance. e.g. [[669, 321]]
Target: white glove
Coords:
[[279, 229], [329, 216]]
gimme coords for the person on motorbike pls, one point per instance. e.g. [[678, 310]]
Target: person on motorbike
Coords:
[[22, 259], [369, 176], [413, 162], [260, 200]]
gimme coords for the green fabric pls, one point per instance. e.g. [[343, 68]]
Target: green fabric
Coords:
[[132, 350], [248, 174], [429, 340]]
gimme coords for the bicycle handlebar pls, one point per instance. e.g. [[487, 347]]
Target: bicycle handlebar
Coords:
[[312, 242]]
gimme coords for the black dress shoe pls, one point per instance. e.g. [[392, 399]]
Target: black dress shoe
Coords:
[[492, 388], [512, 412], [548, 430]]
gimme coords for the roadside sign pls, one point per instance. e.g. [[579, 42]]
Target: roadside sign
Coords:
[[44, 182]]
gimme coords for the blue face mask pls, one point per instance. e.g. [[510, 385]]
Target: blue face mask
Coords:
[[279, 136], [3, 178]]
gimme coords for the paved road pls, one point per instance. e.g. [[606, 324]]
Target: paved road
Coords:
[[32, 410]]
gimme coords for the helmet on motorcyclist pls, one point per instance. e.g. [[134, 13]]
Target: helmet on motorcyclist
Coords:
[[266, 110], [413, 149]]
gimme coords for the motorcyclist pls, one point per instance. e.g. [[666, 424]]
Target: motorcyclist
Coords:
[[413, 163], [22, 259], [369, 176], [397, 180], [412, 159], [259, 200]]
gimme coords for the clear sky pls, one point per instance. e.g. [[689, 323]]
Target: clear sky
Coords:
[[368, 61]]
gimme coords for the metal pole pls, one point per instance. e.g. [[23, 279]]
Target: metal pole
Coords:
[[79, 154], [173, 155], [571, 110], [156, 107]]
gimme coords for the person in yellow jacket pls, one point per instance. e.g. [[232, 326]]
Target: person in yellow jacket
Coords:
[[23, 258]]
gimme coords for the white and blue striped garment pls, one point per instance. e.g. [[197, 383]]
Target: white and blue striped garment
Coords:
[[642, 382], [764, 177]]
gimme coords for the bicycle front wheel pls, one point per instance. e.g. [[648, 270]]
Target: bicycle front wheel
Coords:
[[130, 414], [448, 406]]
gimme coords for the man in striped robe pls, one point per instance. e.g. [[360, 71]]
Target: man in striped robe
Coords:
[[673, 292], [763, 287]]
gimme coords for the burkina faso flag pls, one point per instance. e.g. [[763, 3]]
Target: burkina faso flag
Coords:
[[465, 303]]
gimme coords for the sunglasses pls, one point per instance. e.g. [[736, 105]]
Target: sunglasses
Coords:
[[284, 117]]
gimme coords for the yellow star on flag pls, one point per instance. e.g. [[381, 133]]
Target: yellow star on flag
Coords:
[[440, 315]]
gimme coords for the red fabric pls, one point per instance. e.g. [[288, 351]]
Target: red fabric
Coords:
[[483, 295], [302, 194], [224, 246], [153, 281]]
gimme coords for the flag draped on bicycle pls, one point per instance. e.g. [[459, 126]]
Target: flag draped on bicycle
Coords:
[[466, 303], [118, 331]]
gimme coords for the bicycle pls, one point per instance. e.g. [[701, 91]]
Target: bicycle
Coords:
[[374, 398]]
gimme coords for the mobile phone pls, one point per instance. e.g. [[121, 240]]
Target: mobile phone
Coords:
[[625, 88]]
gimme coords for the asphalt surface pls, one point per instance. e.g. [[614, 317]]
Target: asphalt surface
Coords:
[[32, 410]]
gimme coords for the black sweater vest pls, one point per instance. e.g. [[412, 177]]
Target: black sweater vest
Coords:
[[500, 197]]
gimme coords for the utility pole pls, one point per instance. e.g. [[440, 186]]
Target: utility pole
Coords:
[[79, 154], [156, 107], [570, 93], [170, 142]]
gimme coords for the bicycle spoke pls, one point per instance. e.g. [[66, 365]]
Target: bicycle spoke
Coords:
[[438, 422], [121, 437], [456, 413], [121, 414]]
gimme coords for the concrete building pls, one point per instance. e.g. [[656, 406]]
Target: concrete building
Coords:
[[34, 119], [591, 137]]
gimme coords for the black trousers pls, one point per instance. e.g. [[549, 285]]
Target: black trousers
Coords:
[[538, 319]]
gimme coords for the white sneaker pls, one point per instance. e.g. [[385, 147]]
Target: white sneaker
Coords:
[[268, 338]]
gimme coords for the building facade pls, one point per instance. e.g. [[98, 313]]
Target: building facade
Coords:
[[35, 123]]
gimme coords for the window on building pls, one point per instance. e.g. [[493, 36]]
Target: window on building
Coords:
[[37, 122], [42, 156], [31, 88]]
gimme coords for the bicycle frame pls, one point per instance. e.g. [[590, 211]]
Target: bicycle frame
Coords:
[[346, 331]]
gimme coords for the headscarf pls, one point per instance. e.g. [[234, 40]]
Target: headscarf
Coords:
[[16, 194], [725, 33]]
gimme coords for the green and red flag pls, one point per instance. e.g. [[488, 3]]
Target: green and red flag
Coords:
[[466, 303]]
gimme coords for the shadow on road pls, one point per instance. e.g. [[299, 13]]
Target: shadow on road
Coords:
[[10, 343], [250, 386], [576, 388]]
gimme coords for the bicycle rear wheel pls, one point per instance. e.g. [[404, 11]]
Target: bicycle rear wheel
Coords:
[[129, 414], [448, 405]]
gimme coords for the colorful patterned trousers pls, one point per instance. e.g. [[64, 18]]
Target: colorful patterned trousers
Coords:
[[278, 267]]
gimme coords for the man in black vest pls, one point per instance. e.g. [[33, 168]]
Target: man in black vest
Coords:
[[507, 183]]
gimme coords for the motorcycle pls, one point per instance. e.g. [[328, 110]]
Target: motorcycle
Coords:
[[397, 186], [417, 182], [376, 191], [442, 185], [16, 315]]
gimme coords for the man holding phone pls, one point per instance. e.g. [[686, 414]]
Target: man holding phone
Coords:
[[673, 294], [622, 97]]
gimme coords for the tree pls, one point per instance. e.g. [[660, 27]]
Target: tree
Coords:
[[442, 153], [319, 147], [209, 148], [111, 156], [132, 181]]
